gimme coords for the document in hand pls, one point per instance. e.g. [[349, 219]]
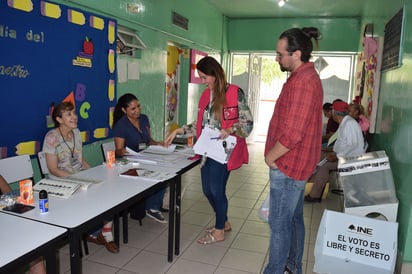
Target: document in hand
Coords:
[[209, 144]]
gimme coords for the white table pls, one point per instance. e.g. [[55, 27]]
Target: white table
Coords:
[[86, 209], [179, 163], [23, 240]]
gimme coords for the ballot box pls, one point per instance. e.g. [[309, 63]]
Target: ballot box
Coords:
[[352, 244], [368, 187]]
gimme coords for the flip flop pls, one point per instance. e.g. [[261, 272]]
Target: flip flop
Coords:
[[208, 239], [212, 228]]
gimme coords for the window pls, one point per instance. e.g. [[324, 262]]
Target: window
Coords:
[[128, 42]]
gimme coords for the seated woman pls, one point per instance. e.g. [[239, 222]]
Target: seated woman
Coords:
[[131, 129], [63, 150]]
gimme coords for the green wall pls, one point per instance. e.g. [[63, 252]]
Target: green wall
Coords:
[[394, 121], [242, 34], [209, 31]]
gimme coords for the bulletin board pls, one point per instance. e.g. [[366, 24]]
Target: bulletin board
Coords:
[[50, 53]]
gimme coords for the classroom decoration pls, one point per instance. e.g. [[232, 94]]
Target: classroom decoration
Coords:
[[172, 87], [195, 56], [51, 53], [368, 74]]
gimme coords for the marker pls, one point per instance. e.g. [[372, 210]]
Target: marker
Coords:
[[215, 138]]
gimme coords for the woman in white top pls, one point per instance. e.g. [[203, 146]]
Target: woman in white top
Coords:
[[63, 150]]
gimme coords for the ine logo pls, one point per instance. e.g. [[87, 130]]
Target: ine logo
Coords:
[[367, 231]]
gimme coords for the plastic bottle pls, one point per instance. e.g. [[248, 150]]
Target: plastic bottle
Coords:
[[43, 201]]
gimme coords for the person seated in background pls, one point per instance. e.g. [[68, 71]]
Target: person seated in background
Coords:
[[357, 112], [63, 150], [131, 129], [350, 142], [331, 125], [36, 266]]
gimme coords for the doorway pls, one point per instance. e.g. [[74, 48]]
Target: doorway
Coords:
[[259, 75]]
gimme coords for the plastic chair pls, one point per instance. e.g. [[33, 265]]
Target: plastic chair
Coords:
[[107, 147], [16, 168], [44, 171], [41, 159]]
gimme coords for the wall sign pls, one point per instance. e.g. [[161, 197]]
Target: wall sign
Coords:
[[392, 45], [50, 53]]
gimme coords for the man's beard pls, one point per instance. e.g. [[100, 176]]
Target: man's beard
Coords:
[[282, 68]]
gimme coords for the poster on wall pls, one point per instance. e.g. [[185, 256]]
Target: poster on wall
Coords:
[[368, 73], [51, 53], [172, 88]]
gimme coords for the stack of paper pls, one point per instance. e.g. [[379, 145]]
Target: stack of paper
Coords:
[[209, 144]]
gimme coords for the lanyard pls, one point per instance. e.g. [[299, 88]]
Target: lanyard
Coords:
[[210, 108]]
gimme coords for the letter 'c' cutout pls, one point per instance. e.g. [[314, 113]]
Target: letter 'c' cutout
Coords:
[[84, 110]]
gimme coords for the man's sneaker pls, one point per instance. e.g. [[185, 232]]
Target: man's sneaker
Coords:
[[156, 215], [287, 271]]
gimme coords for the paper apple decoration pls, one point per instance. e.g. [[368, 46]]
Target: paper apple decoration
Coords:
[[25, 195], [88, 46]]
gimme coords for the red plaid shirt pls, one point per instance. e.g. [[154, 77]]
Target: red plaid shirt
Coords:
[[297, 123]]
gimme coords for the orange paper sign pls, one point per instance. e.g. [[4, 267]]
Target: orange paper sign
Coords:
[[110, 159], [26, 192]]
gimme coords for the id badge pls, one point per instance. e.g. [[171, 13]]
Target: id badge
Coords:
[[142, 146]]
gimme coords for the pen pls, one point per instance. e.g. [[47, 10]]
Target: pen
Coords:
[[215, 138]]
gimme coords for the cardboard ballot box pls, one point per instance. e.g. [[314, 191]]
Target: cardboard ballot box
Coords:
[[352, 244], [368, 186]]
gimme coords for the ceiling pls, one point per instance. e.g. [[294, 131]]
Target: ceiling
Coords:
[[296, 8]]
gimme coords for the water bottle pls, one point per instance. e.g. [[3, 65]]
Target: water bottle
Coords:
[[43, 201]]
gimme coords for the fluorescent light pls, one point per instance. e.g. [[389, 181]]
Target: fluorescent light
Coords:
[[281, 3]]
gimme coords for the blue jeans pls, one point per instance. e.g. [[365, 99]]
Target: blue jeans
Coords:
[[214, 180], [286, 224], [155, 201]]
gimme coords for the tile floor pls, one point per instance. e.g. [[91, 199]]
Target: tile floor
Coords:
[[244, 251]]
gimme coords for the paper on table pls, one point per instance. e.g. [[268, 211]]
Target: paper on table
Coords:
[[138, 157], [156, 149], [146, 174], [211, 146]]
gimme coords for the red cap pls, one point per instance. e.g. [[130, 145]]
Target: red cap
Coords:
[[341, 106]]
